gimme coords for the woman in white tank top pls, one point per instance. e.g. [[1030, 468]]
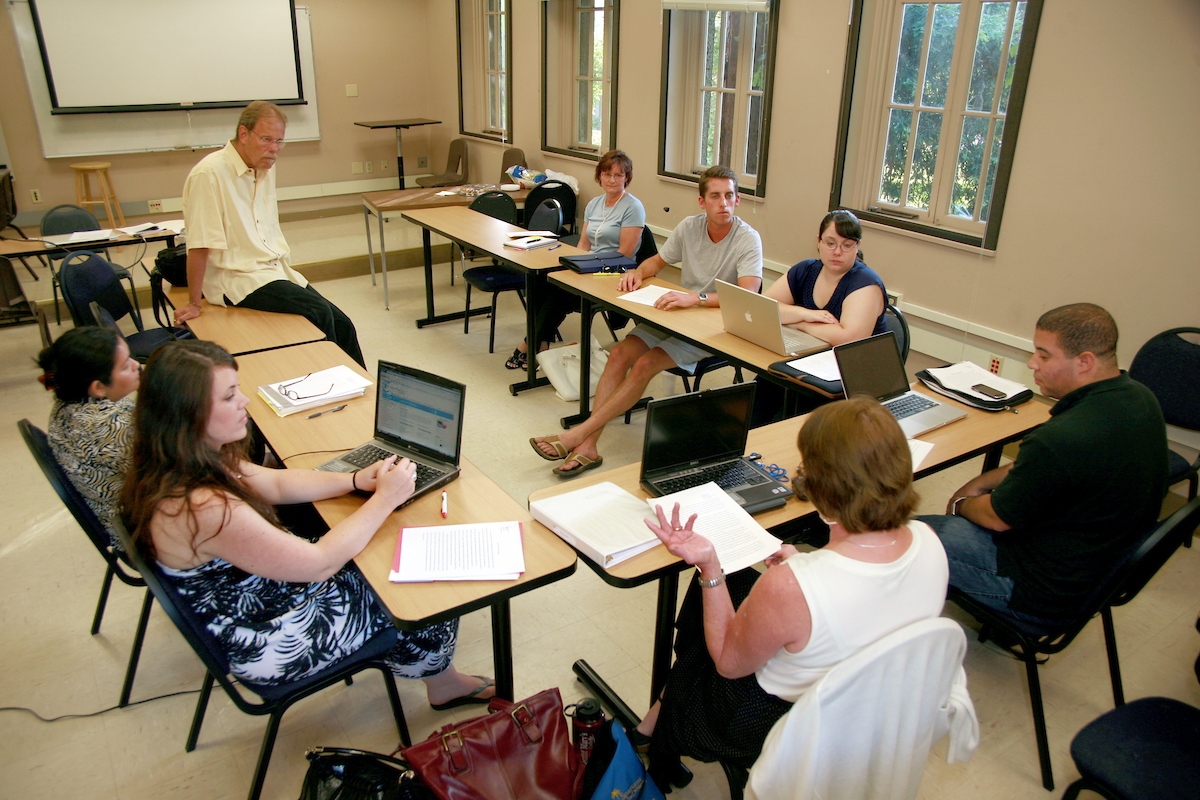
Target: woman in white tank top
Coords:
[[748, 647]]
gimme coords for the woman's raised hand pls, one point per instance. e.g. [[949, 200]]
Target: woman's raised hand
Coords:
[[682, 541]]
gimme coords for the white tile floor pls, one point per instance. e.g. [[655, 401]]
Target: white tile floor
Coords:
[[50, 577]]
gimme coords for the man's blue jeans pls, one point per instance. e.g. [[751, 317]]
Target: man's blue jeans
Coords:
[[971, 552]]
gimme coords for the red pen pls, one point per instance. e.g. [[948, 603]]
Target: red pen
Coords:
[[444, 507]]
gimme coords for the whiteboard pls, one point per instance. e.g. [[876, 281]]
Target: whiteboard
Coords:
[[75, 135]]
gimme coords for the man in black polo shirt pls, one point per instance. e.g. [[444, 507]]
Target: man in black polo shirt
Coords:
[[1035, 538]]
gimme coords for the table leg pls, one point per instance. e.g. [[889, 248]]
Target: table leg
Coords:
[[502, 648], [585, 366], [534, 283], [370, 255], [383, 264], [991, 458], [427, 244], [400, 157]]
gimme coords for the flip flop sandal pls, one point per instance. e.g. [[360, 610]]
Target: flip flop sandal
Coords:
[[472, 699], [517, 360], [560, 450], [584, 463]]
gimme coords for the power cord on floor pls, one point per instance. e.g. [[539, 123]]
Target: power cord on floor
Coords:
[[97, 713]]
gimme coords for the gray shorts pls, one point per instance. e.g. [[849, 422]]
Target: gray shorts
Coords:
[[685, 355]]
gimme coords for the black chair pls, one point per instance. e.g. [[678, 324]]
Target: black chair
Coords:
[[67, 218], [557, 190], [548, 216], [118, 564], [272, 701], [456, 170], [1129, 578], [494, 278], [896, 323], [1169, 366], [513, 156], [94, 297], [1147, 750]]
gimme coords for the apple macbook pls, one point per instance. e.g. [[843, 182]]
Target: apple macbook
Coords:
[[755, 318], [418, 416], [696, 438], [873, 367]]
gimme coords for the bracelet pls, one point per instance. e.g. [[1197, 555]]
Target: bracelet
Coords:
[[714, 583], [354, 480], [954, 507], [197, 305]]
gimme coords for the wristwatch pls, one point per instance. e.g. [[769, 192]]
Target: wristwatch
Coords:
[[703, 298], [714, 583]]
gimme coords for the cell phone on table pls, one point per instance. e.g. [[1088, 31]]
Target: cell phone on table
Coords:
[[988, 391]]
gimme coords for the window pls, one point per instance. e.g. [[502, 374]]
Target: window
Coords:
[[718, 69], [579, 82], [930, 119], [484, 66]]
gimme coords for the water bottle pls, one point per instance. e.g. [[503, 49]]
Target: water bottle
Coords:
[[585, 727]]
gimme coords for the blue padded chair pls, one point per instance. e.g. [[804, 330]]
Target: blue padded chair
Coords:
[[67, 218], [1136, 571], [118, 564], [94, 297], [1169, 366], [494, 278], [272, 701]]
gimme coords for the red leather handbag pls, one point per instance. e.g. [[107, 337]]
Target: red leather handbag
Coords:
[[519, 751]]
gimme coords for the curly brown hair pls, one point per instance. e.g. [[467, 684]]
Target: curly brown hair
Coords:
[[857, 465], [170, 457]]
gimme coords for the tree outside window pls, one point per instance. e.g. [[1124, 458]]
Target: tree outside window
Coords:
[[579, 77]]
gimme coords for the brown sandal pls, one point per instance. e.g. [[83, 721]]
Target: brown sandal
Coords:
[[553, 441]]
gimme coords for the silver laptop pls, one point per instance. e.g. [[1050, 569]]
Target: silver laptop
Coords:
[[873, 367], [418, 416], [696, 438], [755, 318]]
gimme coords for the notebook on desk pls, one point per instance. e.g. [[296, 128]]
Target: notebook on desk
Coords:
[[755, 318], [873, 367], [418, 416], [700, 437]]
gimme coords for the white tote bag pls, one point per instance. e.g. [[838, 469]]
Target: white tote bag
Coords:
[[561, 366]]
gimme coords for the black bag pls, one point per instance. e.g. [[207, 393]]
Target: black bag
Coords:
[[603, 261], [336, 773], [172, 264]]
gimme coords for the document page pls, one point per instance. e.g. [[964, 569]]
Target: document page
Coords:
[[739, 540], [965, 374], [479, 552], [646, 295], [824, 365]]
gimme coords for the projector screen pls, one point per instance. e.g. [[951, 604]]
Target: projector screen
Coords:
[[155, 55]]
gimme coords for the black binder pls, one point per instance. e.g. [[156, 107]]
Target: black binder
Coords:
[[604, 261]]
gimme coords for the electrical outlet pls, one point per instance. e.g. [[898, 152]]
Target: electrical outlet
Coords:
[[155, 206], [995, 365], [383, 165], [356, 168], [37, 196], [422, 162], [370, 167]]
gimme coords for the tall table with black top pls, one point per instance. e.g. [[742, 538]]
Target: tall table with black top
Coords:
[[980, 433], [304, 443], [399, 125], [475, 231]]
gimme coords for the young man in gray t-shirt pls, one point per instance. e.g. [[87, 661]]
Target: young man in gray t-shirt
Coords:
[[714, 244]]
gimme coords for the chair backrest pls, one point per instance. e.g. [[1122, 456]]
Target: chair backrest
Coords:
[[456, 159], [897, 324], [496, 204], [68, 219], [865, 729], [512, 156], [558, 190], [88, 278], [548, 216], [39, 447], [1154, 551], [647, 247], [1169, 366]]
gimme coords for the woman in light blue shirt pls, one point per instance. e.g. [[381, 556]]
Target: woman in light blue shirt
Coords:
[[611, 221]]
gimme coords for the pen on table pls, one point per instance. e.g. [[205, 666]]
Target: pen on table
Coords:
[[326, 411], [555, 247], [445, 508]]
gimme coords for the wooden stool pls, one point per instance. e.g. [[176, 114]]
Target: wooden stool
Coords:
[[107, 196]]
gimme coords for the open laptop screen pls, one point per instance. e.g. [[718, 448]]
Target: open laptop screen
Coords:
[[872, 367], [699, 427], [419, 410]]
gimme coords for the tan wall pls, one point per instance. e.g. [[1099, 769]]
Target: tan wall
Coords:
[[1103, 197]]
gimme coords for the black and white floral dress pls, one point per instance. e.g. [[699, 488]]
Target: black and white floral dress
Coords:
[[276, 632], [92, 440]]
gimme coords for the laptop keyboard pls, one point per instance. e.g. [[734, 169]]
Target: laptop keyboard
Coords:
[[368, 454], [908, 405], [792, 342], [737, 473]]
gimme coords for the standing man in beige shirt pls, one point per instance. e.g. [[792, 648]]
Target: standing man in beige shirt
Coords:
[[236, 251]]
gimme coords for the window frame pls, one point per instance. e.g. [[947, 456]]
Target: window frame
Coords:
[[683, 134], [567, 58], [885, 66], [482, 98]]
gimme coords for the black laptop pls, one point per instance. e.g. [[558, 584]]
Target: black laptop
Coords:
[[700, 437], [419, 416]]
